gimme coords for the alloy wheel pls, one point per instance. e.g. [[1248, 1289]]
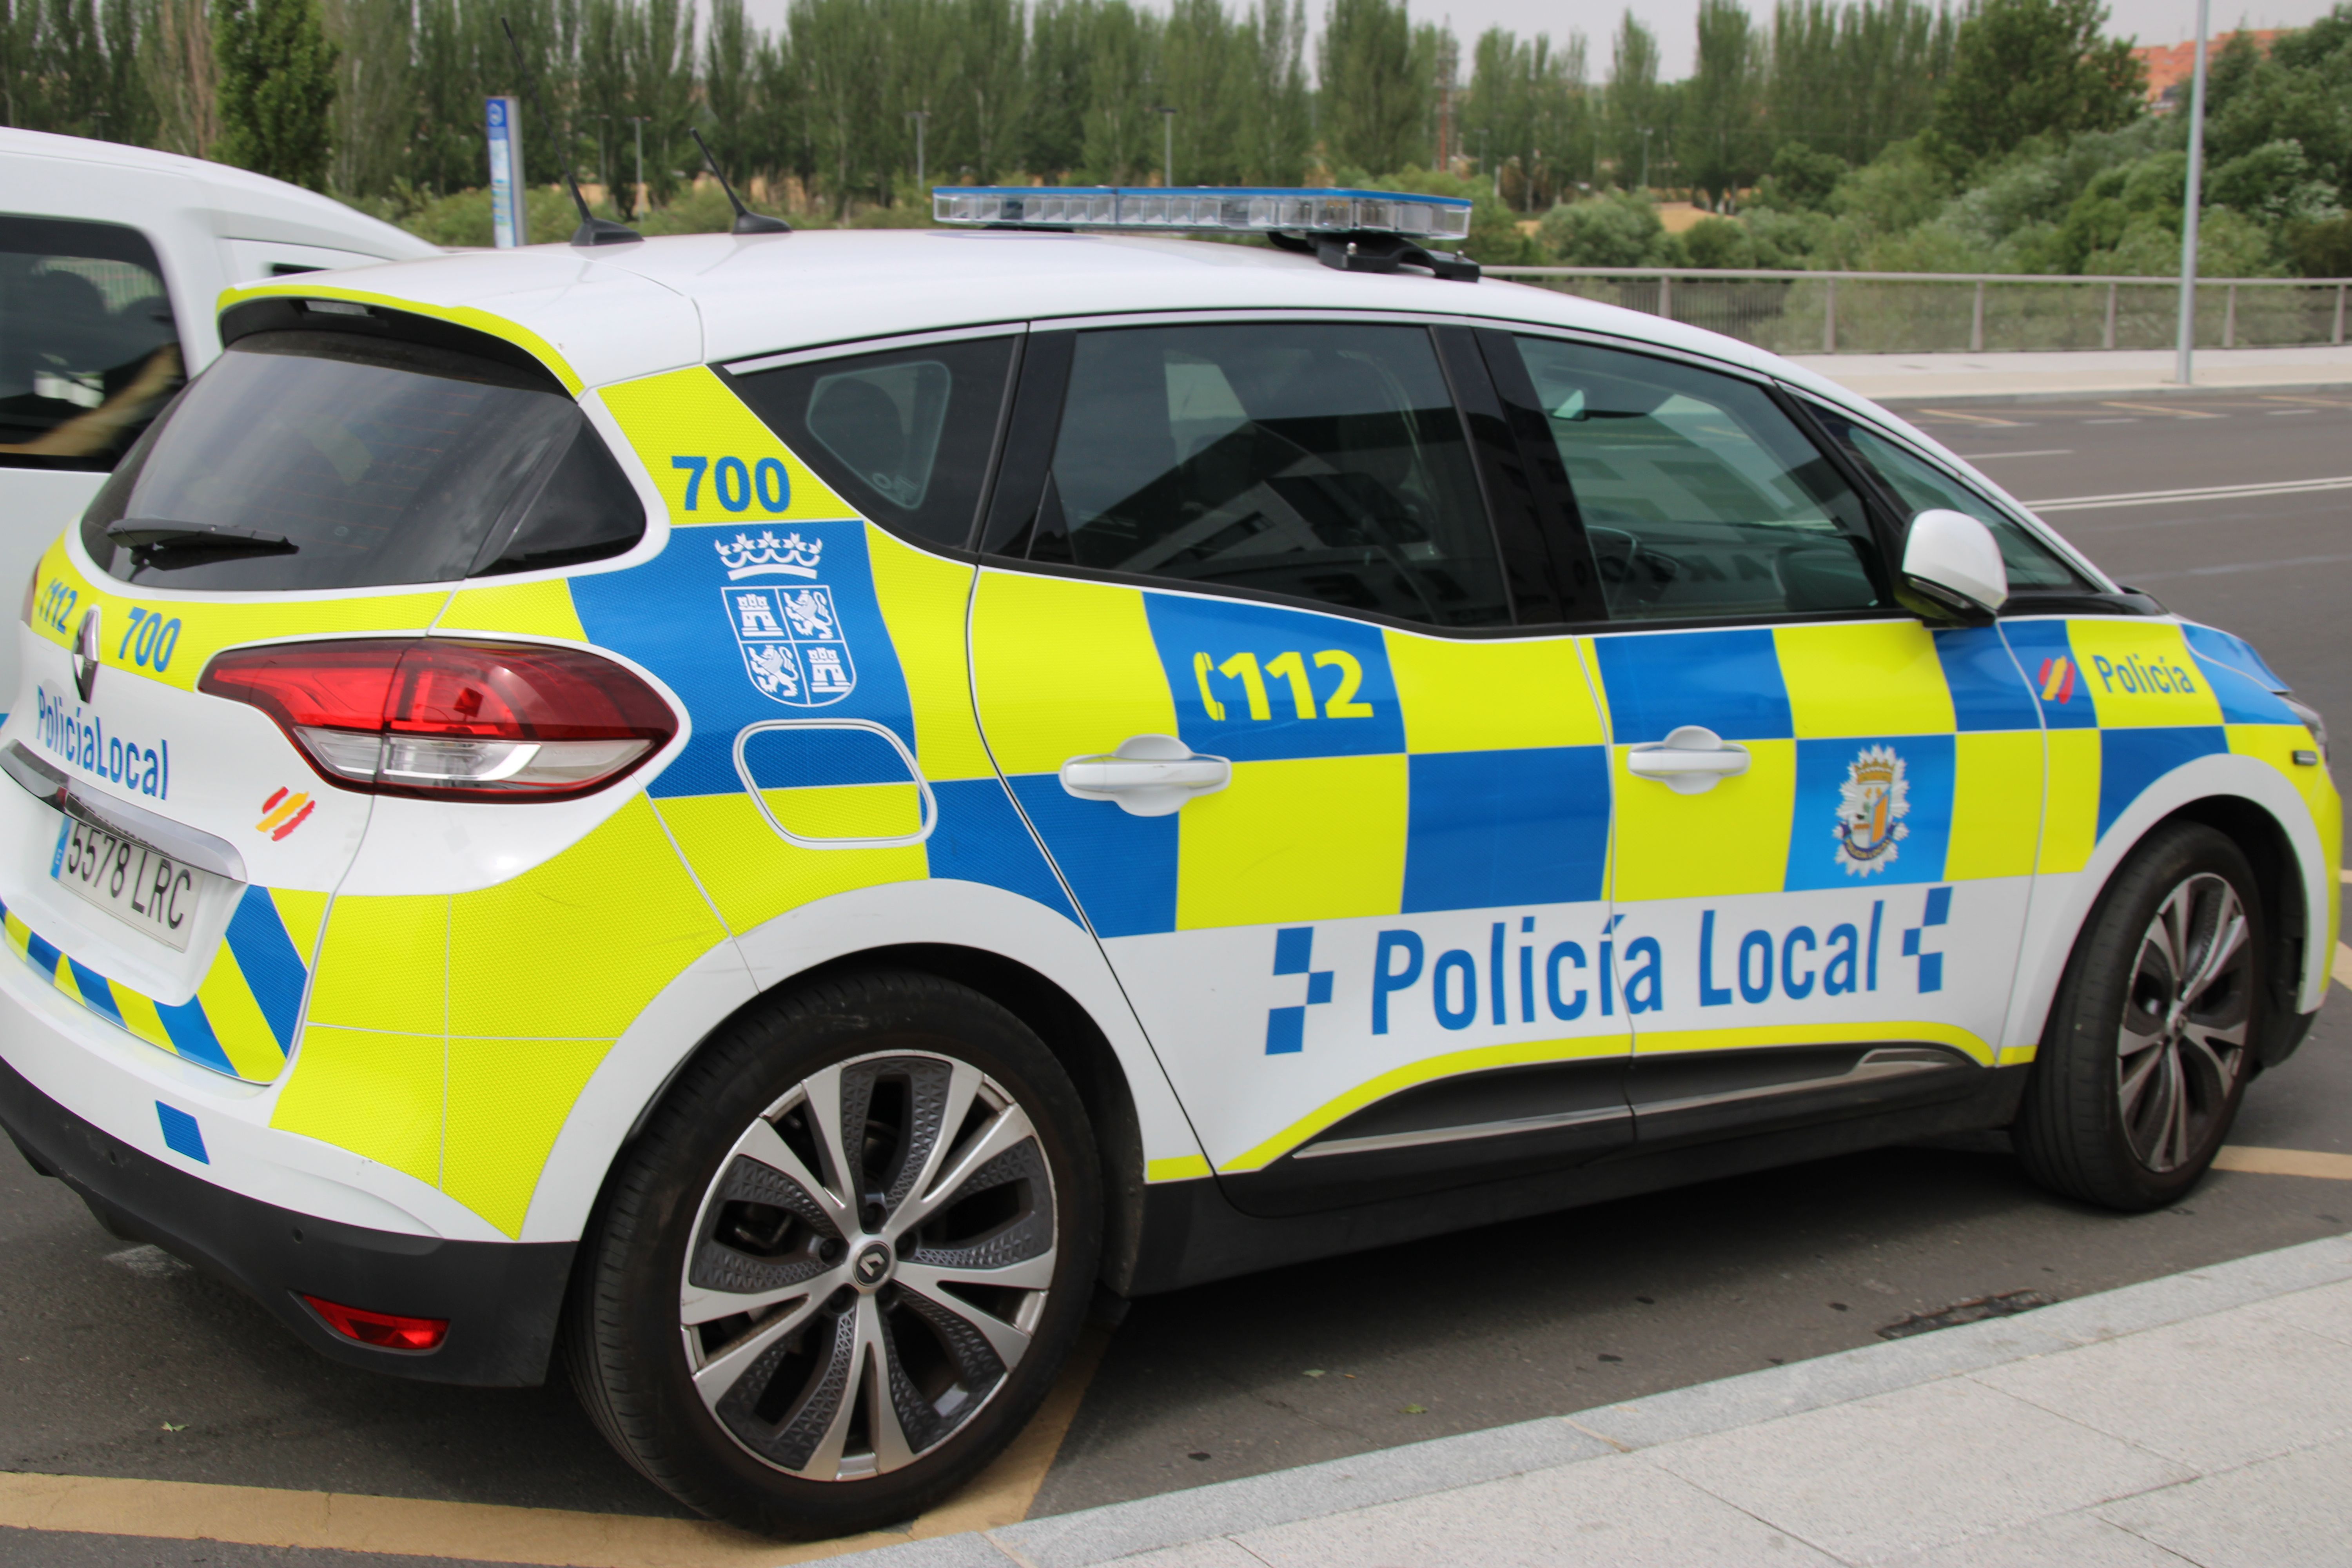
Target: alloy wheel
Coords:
[[868, 1265], [2186, 1014]]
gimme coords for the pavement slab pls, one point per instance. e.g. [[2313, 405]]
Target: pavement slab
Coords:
[[2200, 1417]]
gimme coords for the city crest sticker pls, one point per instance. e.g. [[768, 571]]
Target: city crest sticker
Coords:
[[790, 636], [1872, 805]]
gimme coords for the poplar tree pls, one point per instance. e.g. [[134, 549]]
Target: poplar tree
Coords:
[[276, 88]]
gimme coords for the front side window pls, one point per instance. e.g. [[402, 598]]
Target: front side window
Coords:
[[89, 352], [2031, 564], [1322, 460], [320, 459], [1700, 497], [903, 435]]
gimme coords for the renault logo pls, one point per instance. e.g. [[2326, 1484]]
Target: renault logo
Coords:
[[873, 1265], [85, 655]]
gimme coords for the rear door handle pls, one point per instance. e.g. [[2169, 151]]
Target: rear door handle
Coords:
[[1149, 775], [1689, 760]]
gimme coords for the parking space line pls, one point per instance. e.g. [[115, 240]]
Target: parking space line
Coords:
[[493, 1533], [2160, 408], [2284, 1163], [2342, 967]]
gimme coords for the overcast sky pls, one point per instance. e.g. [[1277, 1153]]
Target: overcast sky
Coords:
[[2151, 21]]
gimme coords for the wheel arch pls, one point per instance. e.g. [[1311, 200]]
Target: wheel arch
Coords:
[[1041, 967], [2247, 802]]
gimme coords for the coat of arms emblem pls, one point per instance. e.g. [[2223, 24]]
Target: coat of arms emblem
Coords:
[[1872, 805], [791, 636]]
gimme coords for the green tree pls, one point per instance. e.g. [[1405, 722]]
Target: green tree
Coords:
[[1720, 135], [1640, 121], [374, 113], [2033, 68], [276, 88], [1375, 100], [1276, 120]]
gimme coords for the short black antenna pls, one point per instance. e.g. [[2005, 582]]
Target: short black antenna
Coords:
[[593, 230], [746, 220]]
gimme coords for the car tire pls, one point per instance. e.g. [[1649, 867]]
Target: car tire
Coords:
[[804, 1355], [2149, 1042]]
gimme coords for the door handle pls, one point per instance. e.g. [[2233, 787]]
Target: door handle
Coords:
[[1689, 760], [1149, 775]]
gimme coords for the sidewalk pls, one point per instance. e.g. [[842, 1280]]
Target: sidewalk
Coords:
[[2203, 1418], [2088, 371]]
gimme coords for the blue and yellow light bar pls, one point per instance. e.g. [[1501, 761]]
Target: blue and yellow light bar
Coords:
[[1210, 209]]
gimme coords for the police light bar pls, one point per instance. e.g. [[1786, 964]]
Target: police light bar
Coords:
[[1205, 209]]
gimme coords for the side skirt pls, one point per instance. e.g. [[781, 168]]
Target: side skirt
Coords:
[[1192, 1233]]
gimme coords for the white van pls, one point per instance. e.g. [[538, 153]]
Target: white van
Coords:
[[111, 260]]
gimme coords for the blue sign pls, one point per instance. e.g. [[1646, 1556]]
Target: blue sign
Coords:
[[509, 225]]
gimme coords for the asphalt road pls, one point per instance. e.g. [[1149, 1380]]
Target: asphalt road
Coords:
[[117, 1361]]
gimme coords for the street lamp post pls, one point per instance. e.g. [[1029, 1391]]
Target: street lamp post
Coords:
[[1645, 156], [2189, 203], [921, 117], [1166, 144]]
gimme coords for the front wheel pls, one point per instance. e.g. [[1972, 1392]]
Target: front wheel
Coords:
[[843, 1264], [2150, 1041]]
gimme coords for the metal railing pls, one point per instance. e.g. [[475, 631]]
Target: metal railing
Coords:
[[1951, 312]]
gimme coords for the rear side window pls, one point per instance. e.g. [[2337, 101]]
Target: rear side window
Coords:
[[1326, 461], [1921, 487], [1699, 496], [317, 459], [89, 352], [903, 435]]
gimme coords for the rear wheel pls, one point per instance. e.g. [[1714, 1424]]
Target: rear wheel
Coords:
[[844, 1262], [2146, 1053]]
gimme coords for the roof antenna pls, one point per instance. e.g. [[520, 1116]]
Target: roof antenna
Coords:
[[593, 230], [746, 220]]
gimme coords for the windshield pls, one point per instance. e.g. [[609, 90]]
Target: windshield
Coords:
[[318, 459]]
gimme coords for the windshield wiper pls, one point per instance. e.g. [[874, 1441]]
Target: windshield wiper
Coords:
[[149, 537]]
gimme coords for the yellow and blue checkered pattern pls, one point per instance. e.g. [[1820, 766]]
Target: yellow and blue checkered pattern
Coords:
[[242, 1018], [1806, 701], [1375, 772]]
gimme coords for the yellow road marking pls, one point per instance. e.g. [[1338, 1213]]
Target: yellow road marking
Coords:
[[2284, 1163], [414, 1526], [1971, 418]]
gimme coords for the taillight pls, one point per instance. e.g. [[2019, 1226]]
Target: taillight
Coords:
[[445, 720]]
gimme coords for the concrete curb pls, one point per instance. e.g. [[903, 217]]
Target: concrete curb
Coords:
[[1105, 1534]]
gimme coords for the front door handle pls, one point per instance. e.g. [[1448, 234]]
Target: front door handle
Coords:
[[1149, 775], [1689, 760]]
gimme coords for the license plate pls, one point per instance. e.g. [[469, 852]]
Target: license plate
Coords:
[[136, 883]]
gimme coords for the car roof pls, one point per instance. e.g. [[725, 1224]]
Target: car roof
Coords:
[[241, 204], [616, 313]]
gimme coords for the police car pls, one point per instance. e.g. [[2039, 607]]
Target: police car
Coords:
[[771, 812]]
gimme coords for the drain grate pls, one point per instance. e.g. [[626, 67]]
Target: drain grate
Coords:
[[1974, 1311]]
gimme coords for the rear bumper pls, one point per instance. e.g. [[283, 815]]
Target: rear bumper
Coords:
[[179, 1155], [501, 1298]]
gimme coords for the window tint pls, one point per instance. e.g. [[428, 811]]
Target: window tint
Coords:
[[2031, 564], [87, 350], [1699, 496], [1324, 461], [904, 436], [312, 459]]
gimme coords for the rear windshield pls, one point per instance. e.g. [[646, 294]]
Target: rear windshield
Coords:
[[316, 459]]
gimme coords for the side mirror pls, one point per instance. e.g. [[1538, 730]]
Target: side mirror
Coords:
[[1953, 562]]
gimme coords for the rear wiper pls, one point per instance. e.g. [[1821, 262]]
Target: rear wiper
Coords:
[[151, 537]]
